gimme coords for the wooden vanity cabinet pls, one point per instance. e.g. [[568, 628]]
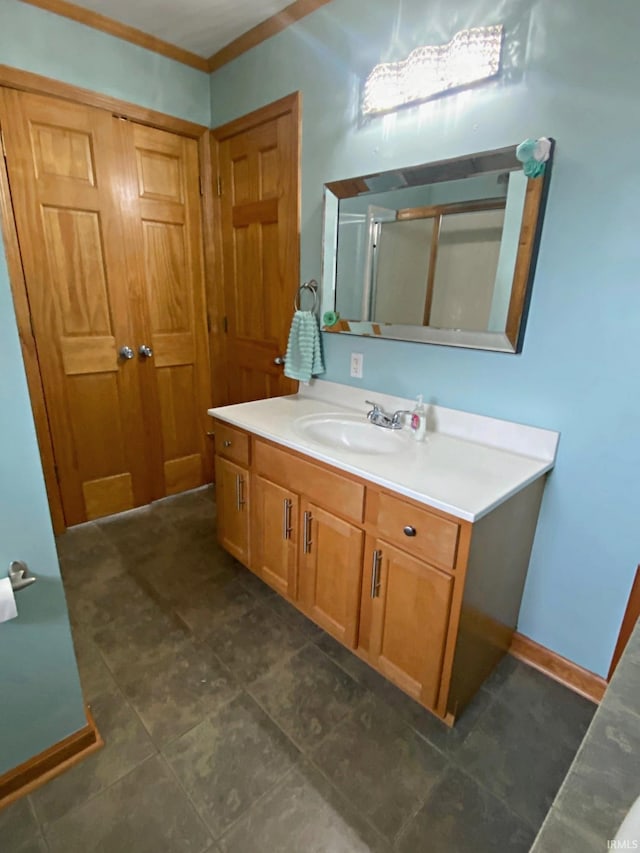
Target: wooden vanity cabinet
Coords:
[[429, 600]]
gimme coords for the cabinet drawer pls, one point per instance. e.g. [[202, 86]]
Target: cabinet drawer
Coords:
[[435, 539], [232, 443], [321, 485]]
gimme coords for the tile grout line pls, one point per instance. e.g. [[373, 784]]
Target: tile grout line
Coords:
[[497, 699], [157, 752], [307, 753], [344, 796], [188, 797], [304, 750], [304, 754], [255, 803], [399, 714], [90, 799], [36, 818], [422, 802], [495, 795], [204, 719]]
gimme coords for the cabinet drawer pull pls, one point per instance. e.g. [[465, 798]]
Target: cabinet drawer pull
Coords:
[[306, 533], [240, 501], [226, 442], [375, 574], [286, 519], [409, 530]]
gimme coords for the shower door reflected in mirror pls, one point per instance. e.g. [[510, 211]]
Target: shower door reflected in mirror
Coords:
[[441, 253]]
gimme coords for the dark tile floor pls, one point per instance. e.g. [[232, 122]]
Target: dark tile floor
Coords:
[[234, 725]]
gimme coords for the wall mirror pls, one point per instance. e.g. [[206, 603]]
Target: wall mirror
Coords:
[[441, 253]]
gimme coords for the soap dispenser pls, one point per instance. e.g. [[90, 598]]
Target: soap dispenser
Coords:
[[419, 420]]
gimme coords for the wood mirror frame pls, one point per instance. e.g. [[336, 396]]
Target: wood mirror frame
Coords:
[[483, 163]]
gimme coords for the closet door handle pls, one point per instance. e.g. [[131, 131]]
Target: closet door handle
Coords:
[[279, 359], [145, 351], [240, 501], [375, 574], [286, 519], [306, 533], [126, 353]]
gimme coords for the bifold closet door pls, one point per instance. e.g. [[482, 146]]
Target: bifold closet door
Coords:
[[108, 220], [163, 226], [65, 188]]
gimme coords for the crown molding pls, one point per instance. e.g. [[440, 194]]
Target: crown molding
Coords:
[[122, 31], [256, 35], [261, 32]]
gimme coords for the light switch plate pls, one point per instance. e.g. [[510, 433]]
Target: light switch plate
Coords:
[[357, 364]]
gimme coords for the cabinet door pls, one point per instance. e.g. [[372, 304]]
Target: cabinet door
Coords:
[[409, 620], [232, 498], [330, 572], [274, 535]]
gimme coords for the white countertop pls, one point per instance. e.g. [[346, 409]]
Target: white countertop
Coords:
[[467, 465]]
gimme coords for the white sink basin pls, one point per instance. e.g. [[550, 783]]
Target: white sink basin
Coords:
[[351, 432]]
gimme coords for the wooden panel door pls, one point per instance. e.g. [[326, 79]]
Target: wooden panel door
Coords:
[[163, 223], [409, 620], [232, 499], [65, 187], [330, 572], [274, 536], [258, 160]]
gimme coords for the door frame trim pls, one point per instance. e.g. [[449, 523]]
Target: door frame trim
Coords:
[[288, 104], [26, 81]]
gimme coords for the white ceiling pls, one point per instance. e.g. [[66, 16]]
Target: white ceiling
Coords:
[[201, 26]]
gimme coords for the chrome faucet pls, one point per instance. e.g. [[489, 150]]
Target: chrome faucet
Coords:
[[379, 417]]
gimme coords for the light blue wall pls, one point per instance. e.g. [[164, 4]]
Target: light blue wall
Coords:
[[40, 698], [571, 71], [44, 43]]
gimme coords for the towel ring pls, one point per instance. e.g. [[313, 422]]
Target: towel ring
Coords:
[[311, 285]]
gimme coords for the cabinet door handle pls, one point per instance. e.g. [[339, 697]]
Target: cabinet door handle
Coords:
[[226, 443], [409, 530], [306, 533], [286, 519], [240, 501], [375, 574]]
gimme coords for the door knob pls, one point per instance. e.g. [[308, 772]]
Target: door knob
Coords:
[[145, 351], [279, 359], [126, 353]]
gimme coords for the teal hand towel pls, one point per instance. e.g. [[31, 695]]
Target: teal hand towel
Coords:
[[303, 357]]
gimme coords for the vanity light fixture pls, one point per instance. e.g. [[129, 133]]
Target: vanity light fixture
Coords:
[[470, 56]]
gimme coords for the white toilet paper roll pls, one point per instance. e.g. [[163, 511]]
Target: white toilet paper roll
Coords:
[[8, 609]]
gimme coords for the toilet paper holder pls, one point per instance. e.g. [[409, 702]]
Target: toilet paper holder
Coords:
[[19, 575]]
